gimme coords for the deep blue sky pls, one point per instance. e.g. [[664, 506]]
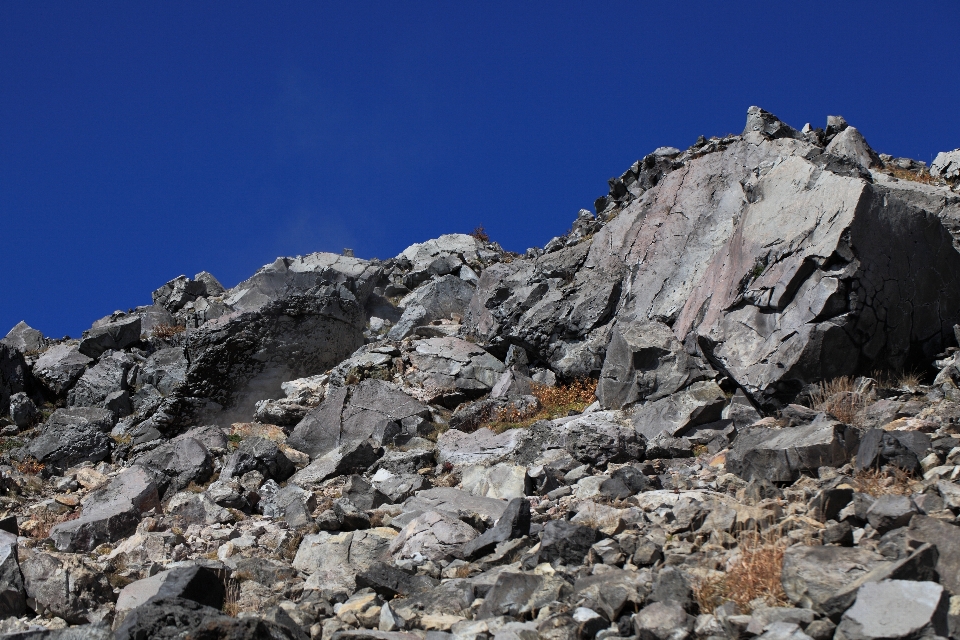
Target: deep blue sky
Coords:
[[139, 141]]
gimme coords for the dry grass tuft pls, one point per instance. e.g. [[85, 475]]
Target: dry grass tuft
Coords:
[[838, 397], [480, 234], [29, 466], [922, 176], [755, 574], [43, 520], [890, 481], [555, 402], [167, 331], [231, 600]]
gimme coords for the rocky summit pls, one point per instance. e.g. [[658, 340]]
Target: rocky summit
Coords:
[[724, 405]]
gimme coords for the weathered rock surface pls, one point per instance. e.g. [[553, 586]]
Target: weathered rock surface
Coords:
[[110, 333], [71, 436]]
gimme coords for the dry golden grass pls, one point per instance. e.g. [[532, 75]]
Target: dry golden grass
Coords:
[[231, 600], [839, 398], [555, 402], [923, 175], [44, 520], [166, 331], [30, 466], [756, 574], [885, 482]]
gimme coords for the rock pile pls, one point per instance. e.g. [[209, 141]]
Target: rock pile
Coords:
[[686, 418]]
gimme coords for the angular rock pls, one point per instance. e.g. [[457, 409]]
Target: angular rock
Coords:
[[64, 585], [12, 595], [903, 449], [390, 582], [451, 370], [697, 404], [946, 165], [363, 494], [565, 541], [646, 362], [350, 414], [102, 379], [483, 446], [514, 523], [290, 503], [71, 436], [109, 513], [433, 535], [196, 508], [518, 594], [113, 334], [178, 292], [891, 512], [165, 369], [896, 609], [175, 464], [196, 583], [258, 454], [946, 538], [23, 412], [483, 512], [60, 366], [850, 145], [24, 338], [350, 457], [332, 561], [662, 621], [165, 619], [445, 297], [501, 481], [813, 575], [599, 438], [781, 455]]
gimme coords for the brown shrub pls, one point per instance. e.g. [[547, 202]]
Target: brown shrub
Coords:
[[839, 398], [755, 574], [885, 482], [45, 520], [167, 331], [922, 176], [555, 402], [30, 466], [480, 234]]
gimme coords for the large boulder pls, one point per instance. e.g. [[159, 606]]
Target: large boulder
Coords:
[[71, 436], [102, 379], [598, 438], [896, 609], [781, 455], [446, 297], [175, 464], [441, 256], [433, 535], [110, 333], [12, 596], [353, 413], [60, 366], [699, 404], [332, 561], [109, 513], [946, 165], [24, 338], [14, 376], [192, 582], [646, 362], [451, 370], [65, 585], [258, 454]]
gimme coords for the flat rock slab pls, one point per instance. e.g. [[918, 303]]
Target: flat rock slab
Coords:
[[195, 583], [483, 446], [453, 501], [896, 609]]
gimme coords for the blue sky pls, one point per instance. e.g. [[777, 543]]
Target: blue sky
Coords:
[[139, 141]]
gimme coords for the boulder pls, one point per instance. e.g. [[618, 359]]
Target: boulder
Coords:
[[178, 292], [390, 582], [445, 297], [109, 513], [646, 362], [100, 380], [110, 333], [291, 504], [483, 446], [566, 542], [175, 464], [946, 538], [167, 619], [71, 436], [440, 256], [501, 481], [781, 455], [351, 457], [812, 576], [363, 494], [197, 583], [903, 449], [896, 609], [24, 338], [350, 414], [65, 585], [60, 366], [481, 511], [521, 594], [189, 508], [946, 165], [23, 412], [332, 561], [598, 439], [12, 595], [698, 404], [850, 145], [451, 370], [891, 512], [662, 621], [514, 523], [258, 454], [433, 535], [165, 369]]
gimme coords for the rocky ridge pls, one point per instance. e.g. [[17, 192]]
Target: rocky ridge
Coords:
[[692, 416]]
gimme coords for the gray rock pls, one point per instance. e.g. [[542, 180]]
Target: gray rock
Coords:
[[350, 414], [598, 439], [567, 542], [100, 380], [767, 124], [200, 584], [781, 455], [483, 446], [946, 165], [646, 362], [451, 370], [363, 494], [109, 513], [946, 538], [351, 457], [71, 436], [780, 630], [212, 286], [175, 464], [514, 523], [398, 487], [60, 366], [445, 297], [24, 338], [165, 369], [440, 256], [484, 512], [283, 412], [671, 586], [433, 535], [23, 412], [519, 594], [196, 508], [501, 481], [167, 619], [740, 410], [258, 454], [698, 404], [891, 512], [64, 585], [292, 504], [662, 621], [813, 575], [332, 561], [390, 582], [903, 449], [850, 145], [896, 609], [12, 596], [115, 334], [178, 292]]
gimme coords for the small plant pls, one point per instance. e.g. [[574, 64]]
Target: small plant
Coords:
[[838, 397], [885, 482], [480, 234], [122, 439], [231, 600], [758, 268], [30, 466], [167, 331], [555, 402], [44, 520], [922, 175], [8, 444], [234, 440], [755, 574]]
